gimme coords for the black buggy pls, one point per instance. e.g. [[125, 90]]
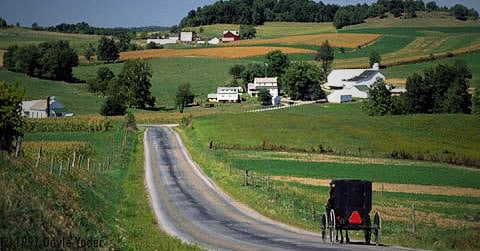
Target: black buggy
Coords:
[[348, 208]]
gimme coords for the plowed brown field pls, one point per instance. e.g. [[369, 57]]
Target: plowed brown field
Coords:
[[335, 40], [226, 52]]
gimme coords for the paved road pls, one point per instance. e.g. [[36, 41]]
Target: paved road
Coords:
[[189, 205]]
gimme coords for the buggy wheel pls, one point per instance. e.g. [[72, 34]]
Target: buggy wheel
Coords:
[[332, 226], [368, 230], [377, 228], [324, 227]]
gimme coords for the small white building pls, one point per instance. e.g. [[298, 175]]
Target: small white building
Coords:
[[226, 95], [271, 84], [187, 36], [214, 41], [347, 78], [340, 96], [40, 109], [163, 41]]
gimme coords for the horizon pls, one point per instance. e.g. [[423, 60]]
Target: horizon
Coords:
[[124, 13]]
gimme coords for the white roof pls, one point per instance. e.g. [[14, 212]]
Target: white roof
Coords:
[[227, 90], [266, 80], [336, 77], [398, 90]]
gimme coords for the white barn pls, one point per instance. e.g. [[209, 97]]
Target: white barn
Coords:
[[347, 78], [187, 36], [214, 41], [271, 84], [163, 41]]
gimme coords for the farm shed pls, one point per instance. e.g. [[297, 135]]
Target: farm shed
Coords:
[[226, 95], [163, 41], [214, 41], [340, 96], [271, 84], [347, 78], [187, 36]]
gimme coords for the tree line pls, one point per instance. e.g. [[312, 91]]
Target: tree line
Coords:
[[85, 28], [256, 12], [49, 60], [442, 89]]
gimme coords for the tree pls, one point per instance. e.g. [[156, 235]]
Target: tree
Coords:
[[183, 97], [101, 82], [135, 79], [9, 58], [253, 71], [432, 6], [27, 59], [89, 52], [265, 97], [114, 106], [460, 12], [375, 58], [326, 56], [457, 99], [379, 102], [35, 26], [476, 101], [124, 41], [277, 63], [247, 31], [107, 50], [57, 61], [236, 71], [11, 121], [302, 81], [3, 23], [419, 95]]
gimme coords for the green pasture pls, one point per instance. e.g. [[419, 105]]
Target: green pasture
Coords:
[[345, 129], [75, 97], [22, 37], [203, 74]]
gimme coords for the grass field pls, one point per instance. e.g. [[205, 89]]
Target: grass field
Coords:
[[269, 29], [75, 97], [203, 74], [403, 71], [22, 37], [345, 129], [346, 40]]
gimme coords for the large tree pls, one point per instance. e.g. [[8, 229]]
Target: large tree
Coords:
[[57, 61], [11, 121], [183, 97], [236, 71], [107, 50], [89, 52], [3, 23], [265, 97], [375, 58], [247, 31], [302, 81], [135, 78], [325, 55], [100, 83], [277, 63], [114, 106], [419, 95], [379, 102], [476, 101]]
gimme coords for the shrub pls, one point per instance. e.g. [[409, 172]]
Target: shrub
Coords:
[[114, 106]]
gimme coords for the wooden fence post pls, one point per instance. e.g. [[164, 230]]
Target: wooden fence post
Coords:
[[74, 160], [39, 156], [51, 166], [18, 146], [61, 167], [382, 189], [88, 164], [414, 227], [68, 166]]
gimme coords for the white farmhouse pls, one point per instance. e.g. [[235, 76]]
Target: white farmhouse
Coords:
[[347, 78], [226, 95], [44, 108], [339, 96], [271, 84], [186, 36]]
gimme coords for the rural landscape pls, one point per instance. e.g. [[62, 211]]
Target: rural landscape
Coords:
[[236, 126]]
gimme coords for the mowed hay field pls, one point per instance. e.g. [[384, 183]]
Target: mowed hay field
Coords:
[[226, 52], [22, 37], [269, 29], [336, 40]]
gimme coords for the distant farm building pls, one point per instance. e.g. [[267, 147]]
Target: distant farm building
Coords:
[[44, 108], [397, 91], [347, 78], [339, 96], [163, 41], [226, 95], [230, 36], [214, 41], [187, 36], [271, 84]]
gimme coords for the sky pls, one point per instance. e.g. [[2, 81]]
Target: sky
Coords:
[[124, 13]]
